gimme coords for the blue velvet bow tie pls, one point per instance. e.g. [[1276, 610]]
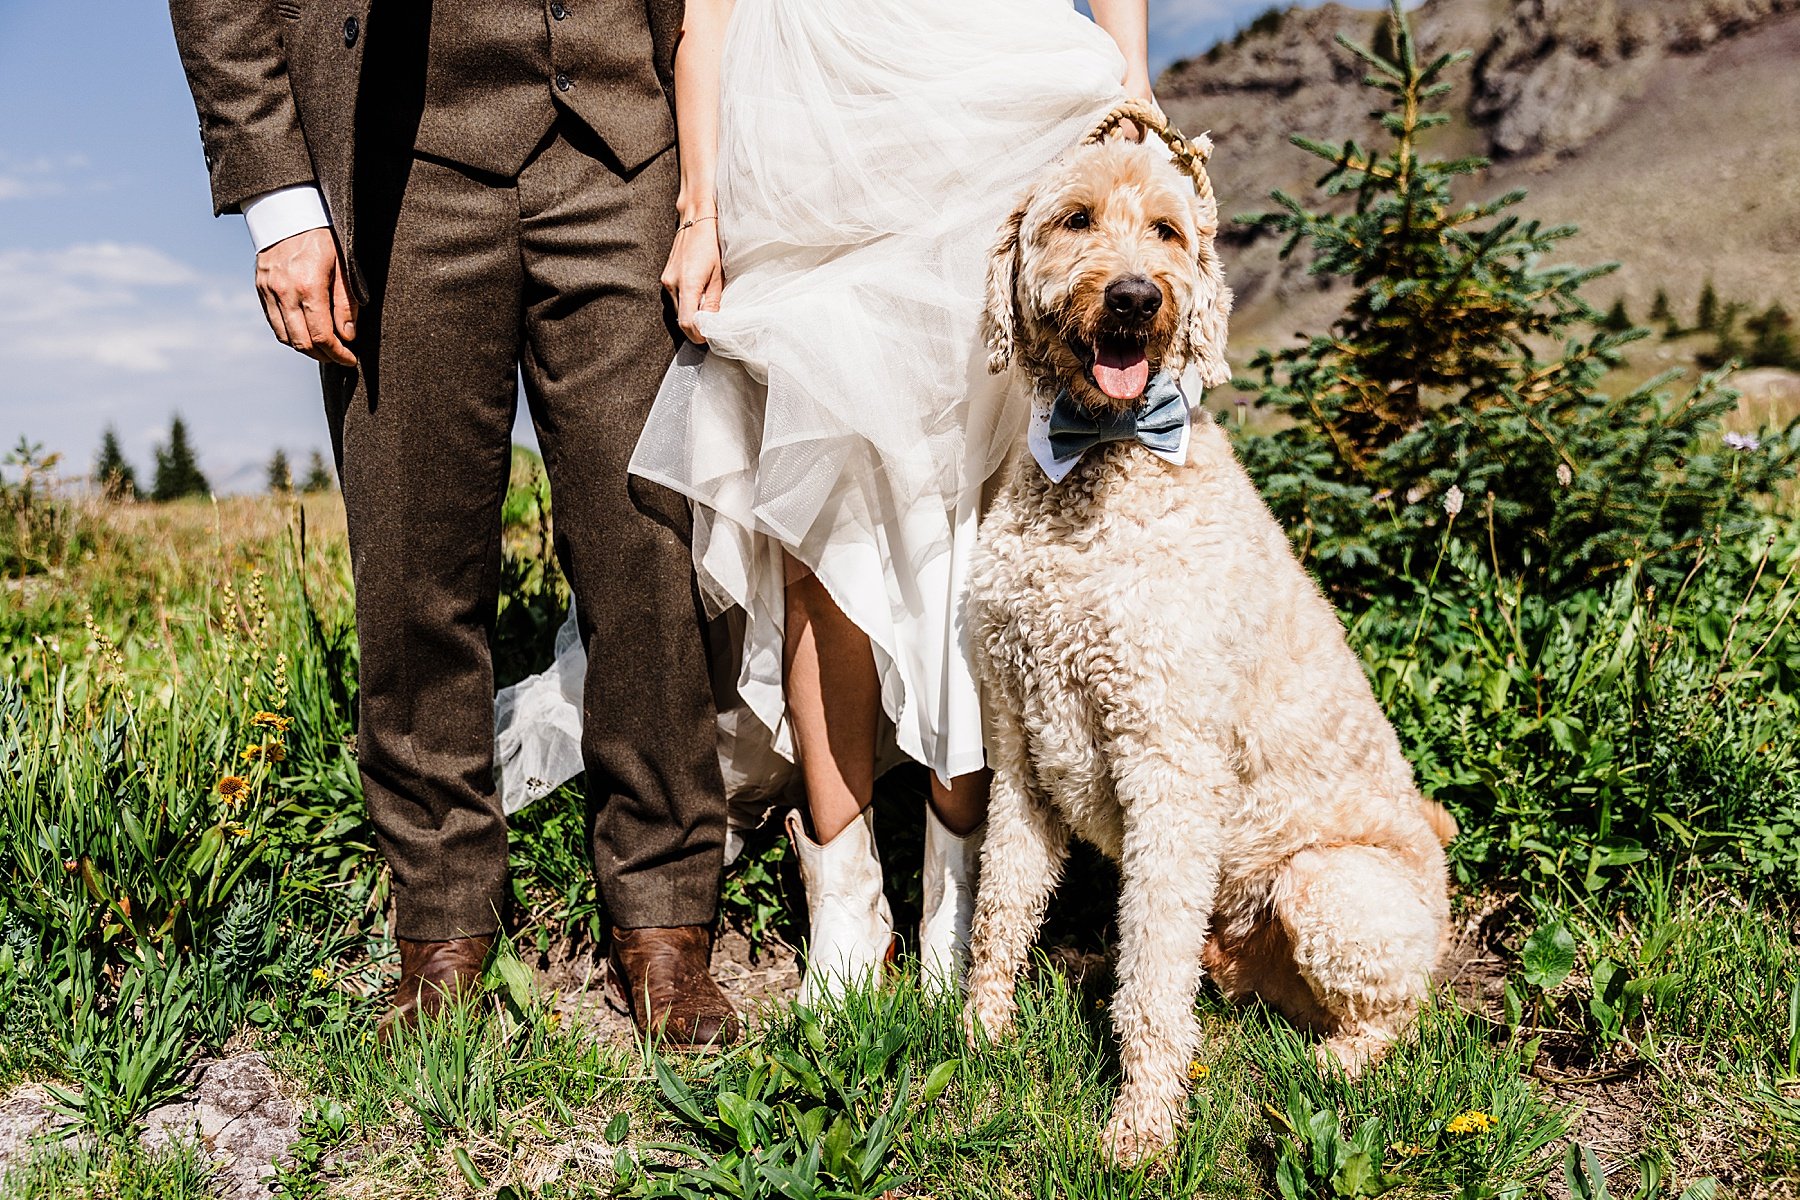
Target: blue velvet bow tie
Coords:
[[1158, 421]]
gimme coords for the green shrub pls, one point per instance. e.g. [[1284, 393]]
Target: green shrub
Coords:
[[1576, 736], [39, 529]]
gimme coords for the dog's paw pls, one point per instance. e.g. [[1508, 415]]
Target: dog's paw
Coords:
[[1351, 1053], [987, 1021], [1136, 1134]]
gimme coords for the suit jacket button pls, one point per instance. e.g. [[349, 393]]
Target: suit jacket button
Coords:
[[558, 11], [563, 82], [351, 28]]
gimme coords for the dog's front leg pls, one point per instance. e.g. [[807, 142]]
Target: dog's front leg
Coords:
[[1170, 873], [1027, 844]]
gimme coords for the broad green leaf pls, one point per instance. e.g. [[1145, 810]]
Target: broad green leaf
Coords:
[[1548, 956], [938, 1080]]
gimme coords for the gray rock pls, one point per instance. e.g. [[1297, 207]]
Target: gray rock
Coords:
[[24, 1115], [241, 1116]]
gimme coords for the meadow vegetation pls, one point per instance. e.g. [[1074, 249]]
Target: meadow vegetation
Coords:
[[1597, 675]]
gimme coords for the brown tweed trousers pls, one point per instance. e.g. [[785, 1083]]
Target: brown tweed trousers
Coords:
[[501, 179]]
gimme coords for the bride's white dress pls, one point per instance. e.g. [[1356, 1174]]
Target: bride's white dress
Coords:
[[869, 150]]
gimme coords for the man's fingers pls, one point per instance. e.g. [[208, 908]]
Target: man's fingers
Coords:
[[306, 296], [321, 327], [293, 315], [343, 309], [271, 307]]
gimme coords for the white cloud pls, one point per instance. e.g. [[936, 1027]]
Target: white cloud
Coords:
[[127, 306], [98, 333], [27, 178]]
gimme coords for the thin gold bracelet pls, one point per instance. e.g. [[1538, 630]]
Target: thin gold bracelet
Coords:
[[693, 221]]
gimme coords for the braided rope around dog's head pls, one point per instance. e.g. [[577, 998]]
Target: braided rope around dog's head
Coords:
[[1190, 154]]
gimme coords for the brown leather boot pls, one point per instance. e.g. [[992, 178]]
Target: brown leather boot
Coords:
[[433, 974], [665, 978]]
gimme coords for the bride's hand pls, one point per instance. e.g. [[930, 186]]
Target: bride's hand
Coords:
[[1139, 89], [695, 274]]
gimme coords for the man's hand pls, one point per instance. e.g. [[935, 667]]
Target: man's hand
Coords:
[[306, 297], [695, 276]]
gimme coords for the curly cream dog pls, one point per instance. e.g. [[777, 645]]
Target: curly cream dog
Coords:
[[1169, 684]]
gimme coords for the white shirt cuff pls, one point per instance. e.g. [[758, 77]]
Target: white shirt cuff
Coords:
[[280, 214]]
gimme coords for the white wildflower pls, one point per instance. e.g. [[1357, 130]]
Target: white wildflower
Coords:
[[1416, 493], [1742, 441], [1564, 475], [1453, 500]]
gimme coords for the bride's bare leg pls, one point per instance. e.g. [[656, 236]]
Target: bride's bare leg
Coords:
[[834, 700], [963, 805]]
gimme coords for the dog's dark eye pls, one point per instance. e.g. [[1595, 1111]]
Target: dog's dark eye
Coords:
[[1079, 219], [1167, 231]]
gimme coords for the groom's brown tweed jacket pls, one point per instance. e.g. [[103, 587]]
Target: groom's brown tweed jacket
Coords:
[[280, 84], [501, 180]]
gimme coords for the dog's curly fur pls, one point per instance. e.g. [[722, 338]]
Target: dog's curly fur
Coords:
[[1167, 683]]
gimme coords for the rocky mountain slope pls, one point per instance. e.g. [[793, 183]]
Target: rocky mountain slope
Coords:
[[1668, 130]]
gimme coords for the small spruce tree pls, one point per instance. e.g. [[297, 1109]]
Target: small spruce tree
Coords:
[[1728, 343], [1772, 341], [177, 470], [281, 475], [113, 473], [1460, 361], [1659, 308], [318, 475], [1706, 313], [1616, 320]]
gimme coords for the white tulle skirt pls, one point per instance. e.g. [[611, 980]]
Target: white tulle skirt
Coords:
[[869, 150]]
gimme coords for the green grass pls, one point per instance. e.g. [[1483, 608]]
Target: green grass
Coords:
[[1623, 767]]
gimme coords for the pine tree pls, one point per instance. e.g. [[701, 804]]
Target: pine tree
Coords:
[[1706, 315], [1728, 346], [112, 472], [177, 471], [281, 476], [318, 475], [1460, 361], [1772, 339], [1659, 308], [1616, 320]]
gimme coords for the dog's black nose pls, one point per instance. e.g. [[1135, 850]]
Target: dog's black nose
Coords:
[[1133, 299]]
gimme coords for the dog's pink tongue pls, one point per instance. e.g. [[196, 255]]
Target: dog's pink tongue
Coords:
[[1121, 374]]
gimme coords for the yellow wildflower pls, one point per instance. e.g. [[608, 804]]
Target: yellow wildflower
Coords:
[[275, 752], [269, 720], [1405, 1150], [251, 753], [234, 787], [321, 977], [1473, 1121], [237, 831], [1198, 1070]]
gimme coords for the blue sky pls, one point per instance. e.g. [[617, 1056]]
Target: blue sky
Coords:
[[122, 300]]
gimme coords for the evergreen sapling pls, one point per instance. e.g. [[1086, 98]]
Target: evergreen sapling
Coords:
[[1461, 360]]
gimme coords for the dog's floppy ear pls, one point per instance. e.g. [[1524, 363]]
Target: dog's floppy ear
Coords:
[[1207, 328], [1000, 318]]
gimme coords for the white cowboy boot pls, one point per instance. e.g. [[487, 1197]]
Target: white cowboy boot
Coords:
[[852, 932], [951, 865]]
